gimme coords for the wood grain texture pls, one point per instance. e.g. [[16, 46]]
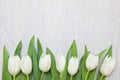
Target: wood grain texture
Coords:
[[95, 23]]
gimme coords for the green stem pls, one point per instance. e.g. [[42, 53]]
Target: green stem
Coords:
[[71, 77], [13, 77], [101, 77], [42, 75], [87, 75], [27, 77], [60, 76]]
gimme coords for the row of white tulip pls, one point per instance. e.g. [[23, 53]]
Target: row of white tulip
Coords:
[[15, 64]]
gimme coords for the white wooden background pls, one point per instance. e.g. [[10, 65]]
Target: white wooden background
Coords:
[[95, 23]]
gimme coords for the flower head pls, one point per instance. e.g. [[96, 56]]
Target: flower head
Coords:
[[73, 66], [107, 66], [26, 65], [14, 65], [92, 62], [45, 62], [60, 63]]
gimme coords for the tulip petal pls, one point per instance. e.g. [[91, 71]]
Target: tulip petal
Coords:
[[60, 63], [45, 62], [26, 65], [14, 65], [91, 62], [73, 66]]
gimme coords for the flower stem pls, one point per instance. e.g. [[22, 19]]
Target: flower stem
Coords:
[[71, 77], [27, 77], [101, 77], [42, 75], [60, 76], [13, 77], [87, 75]]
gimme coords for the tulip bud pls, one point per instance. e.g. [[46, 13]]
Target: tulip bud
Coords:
[[73, 66], [107, 66], [14, 65], [60, 63], [26, 65], [92, 62], [45, 62]]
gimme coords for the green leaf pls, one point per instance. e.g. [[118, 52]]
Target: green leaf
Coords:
[[74, 49], [20, 76], [65, 74], [74, 54], [109, 52], [47, 75], [35, 65], [101, 53], [39, 53], [18, 48], [54, 73], [31, 50], [71, 52], [39, 48], [5, 73], [84, 70], [31, 46]]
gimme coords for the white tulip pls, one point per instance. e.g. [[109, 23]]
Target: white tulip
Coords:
[[107, 66], [45, 62], [73, 66], [14, 65], [92, 62], [26, 65], [60, 63]]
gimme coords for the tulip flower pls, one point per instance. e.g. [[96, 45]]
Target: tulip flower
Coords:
[[44, 63], [60, 63], [73, 66], [91, 63], [107, 66], [26, 65], [14, 65]]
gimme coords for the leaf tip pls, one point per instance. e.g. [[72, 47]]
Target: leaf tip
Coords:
[[33, 37], [20, 42]]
